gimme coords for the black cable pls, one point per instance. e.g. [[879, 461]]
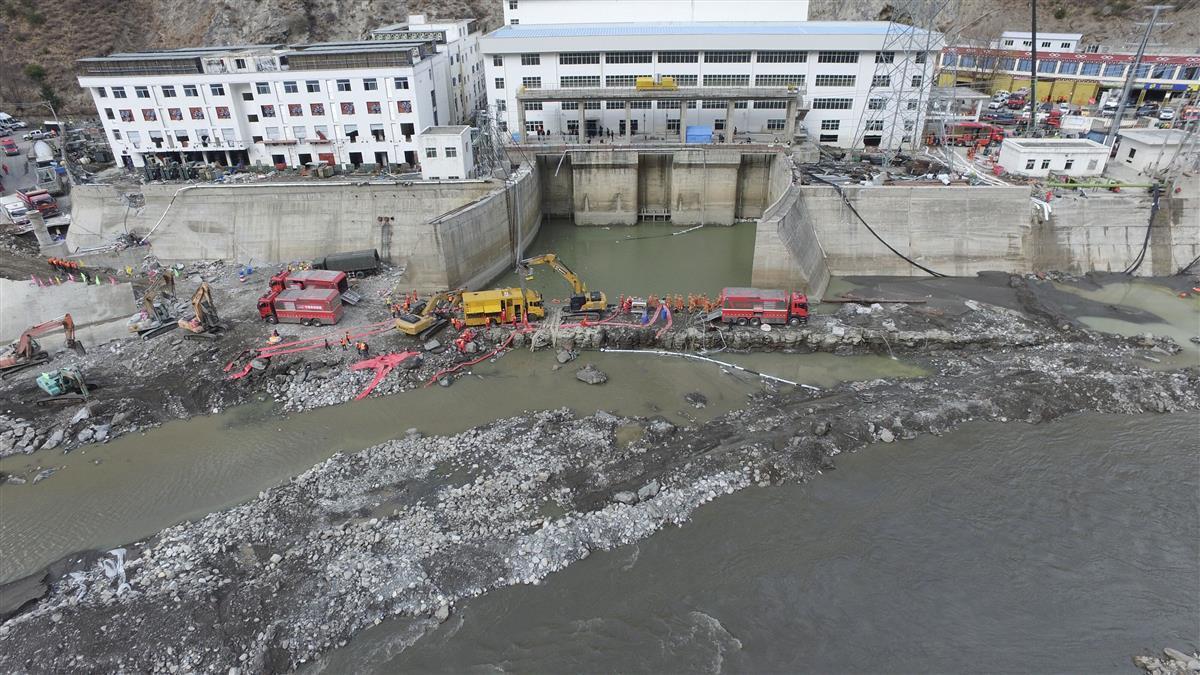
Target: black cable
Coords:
[[1183, 270], [853, 210], [1155, 191]]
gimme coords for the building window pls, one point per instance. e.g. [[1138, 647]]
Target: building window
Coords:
[[196, 113], [347, 108], [514, 22], [685, 80], [678, 57], [627, 57], [268, 110], [290, 87], [828, 138], [142, 92], [1008, 43], [885, 57], [577, 58], [912, 103], [1068, 68], [727, 80], [714, 105], [251, 118], [834, 81], [833, 103], [149, 115], [831, 125], [837, 57], [770, 105], [574, 81], [1064, 45], [404, 106], [921, 57], [1089, 69], [881, 81], [370, 84], [343, 85], [431, 153], [126, 115], [501, 105], [316, 109], [794, 80], [168, 91], [247, 96], [351, 132], [312, 86], [916, 80], [109, 114], [119, 92], [874, 103], [101, 92], [726, 57], [499, 82], [533, 106], [1048, 67], [639, 105], [498, 61], [782, 57], [374, 108], [512, 4], [1132, 152], [1046, 43], [223, 112], [190, 90], [1068, 164], [610, 105], [1114, 70], [1092, 163], [531, 59], [450, 152], [531, 82], [377, 132], [1189, 73], [300, 133], [672, 125], [776, 124], [1163, 72], [874, 125], [574, 105], [400, 82], [175, 114], [621, 80], [217, 89], [262, 87], [1029, 164], [1045, 164], [295, 110]]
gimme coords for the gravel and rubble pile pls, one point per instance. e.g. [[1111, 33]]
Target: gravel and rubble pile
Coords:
[[1172, 662], [411, 527]]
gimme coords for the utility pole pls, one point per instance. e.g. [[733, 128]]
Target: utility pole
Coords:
[[1033, 99], [1155, 10]]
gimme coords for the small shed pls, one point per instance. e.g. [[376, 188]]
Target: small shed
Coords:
[[446, 153], [1149, 150], [1038, 157]]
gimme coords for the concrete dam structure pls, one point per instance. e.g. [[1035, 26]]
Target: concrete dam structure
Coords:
[[453, 234]]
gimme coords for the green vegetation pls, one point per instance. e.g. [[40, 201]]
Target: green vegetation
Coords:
[[37, 73], [1060, 13]]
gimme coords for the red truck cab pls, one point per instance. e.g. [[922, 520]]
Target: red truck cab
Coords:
[[307, 306], [9, 146], [311, 279], [752, 306], [40, 200]]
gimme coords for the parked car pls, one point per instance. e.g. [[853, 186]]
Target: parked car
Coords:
[[16, 124], [996, 104], [1166, 114], [1148, 110], [1002, 118], [5, 131], [1000, 94], [9, 146], [36, 135]]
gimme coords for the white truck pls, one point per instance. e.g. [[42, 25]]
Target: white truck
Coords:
[[15, 210]]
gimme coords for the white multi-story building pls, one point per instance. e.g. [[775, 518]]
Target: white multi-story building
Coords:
[[530, 12], [346, 103], [1055, 42], [459, 40], [839, 69]]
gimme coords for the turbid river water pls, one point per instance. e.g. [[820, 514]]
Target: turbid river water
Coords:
[[1062, 547]]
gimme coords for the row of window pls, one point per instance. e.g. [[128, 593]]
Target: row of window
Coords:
[[1045, 44], [719, 80], [1031, 164], [1153, 71], [724, 56], [449, 152], [661, 105], [289, 87], [267, 111], [299, 134]]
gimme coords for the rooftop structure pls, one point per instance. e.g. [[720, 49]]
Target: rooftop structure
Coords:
[[459, 40], [541, 12], [1059, 42], [1039, 157], [447, 153], [1149, 151]]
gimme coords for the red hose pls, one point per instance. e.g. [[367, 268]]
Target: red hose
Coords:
[[454, 369]]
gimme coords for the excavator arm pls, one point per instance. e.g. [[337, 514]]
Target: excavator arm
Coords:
[[27, 345], [432, 303], [577, 285]]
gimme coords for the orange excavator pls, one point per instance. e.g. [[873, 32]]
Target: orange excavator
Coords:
[[27, 353]]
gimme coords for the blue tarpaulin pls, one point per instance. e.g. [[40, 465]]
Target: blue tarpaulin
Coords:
[[699, 134]]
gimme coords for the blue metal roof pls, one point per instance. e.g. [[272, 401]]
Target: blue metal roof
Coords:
[[693, 28]]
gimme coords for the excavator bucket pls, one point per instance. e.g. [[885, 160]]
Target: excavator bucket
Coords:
[[77, 346]]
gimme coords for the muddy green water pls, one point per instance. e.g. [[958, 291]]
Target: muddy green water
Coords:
[[1179, 317], [1062, 547]]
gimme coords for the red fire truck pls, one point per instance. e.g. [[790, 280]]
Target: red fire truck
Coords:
[[316, 279], [752, 306], [307, 306]]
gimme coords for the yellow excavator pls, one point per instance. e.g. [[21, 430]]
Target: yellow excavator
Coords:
[[581, 299], [206, 325], [424, 321]]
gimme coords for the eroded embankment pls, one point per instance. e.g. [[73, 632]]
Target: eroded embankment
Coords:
[[407, 528]]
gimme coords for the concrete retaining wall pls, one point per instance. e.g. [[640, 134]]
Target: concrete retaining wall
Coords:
[[787, 253], [293, 221], [957, 231], [1105, 231], [605, 187], [704, 187], [99, 312], [558, 186]]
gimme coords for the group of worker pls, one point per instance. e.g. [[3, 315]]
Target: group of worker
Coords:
[[398, 307], [63, 264], [676, 303]]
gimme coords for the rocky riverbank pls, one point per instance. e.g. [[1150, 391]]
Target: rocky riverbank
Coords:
[[406, 529]]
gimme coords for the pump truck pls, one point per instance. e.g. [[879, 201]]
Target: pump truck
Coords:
[[581, 299]]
